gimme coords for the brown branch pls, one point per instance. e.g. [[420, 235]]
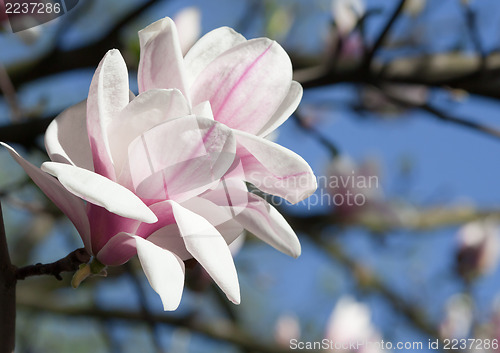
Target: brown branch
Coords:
[[7, 295], [69, 263]]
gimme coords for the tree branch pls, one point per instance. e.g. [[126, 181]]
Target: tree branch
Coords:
[[69, 263], [7, 295]]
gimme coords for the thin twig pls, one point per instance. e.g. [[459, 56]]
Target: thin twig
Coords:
[[381, 38], [69, 263]]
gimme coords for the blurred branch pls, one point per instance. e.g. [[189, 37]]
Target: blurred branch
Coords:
[[225, 332], [443, 116], [24, 133], [69, 263], [7, 295], [57, 60], [412, 219], [382, 37], [8, 91]]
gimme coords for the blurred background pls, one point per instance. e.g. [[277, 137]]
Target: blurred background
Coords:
[[400, 122]]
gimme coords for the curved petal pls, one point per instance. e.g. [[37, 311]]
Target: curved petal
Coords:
[[265, 222], [108, 95], [180, 159], [118, 250], [286, 108], [209, 47], [209, 248], [100, 191], [164, 270], [246, 84], [72, 206], [144, 112], [203, 110], [275, 169], [161, 63], [66, 138]]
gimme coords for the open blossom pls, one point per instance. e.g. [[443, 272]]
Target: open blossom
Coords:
[[135, 164], [157, 176]]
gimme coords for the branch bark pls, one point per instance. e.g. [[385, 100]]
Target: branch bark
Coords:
[[7, 295]]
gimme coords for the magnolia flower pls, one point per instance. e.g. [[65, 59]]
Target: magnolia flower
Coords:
[[247, 85], [125, 171], [165, 178]]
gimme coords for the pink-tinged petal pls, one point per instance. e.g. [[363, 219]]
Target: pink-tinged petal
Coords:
[[209, 248], [66, 138], [164, 270], [118, 250], [108, 95], [286, 108], [246, 84], [275, 169], [161, 63], [145, 111], [265, 222], [203, 110], [71, 205], [100, 191], [180, 159], [208, 48]]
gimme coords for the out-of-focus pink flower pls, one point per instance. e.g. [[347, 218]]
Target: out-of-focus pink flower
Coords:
[[247, 85], [479, 248], [458, 318], [188, 22], [126, 171], [350, 323], [346, 14], [354, 189], [287, 328]]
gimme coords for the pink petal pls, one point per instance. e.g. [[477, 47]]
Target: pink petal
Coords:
[[117, 250], [180, 159], [161, 64], [100, 191], [246, 84], [144, 112], [164, 270], [209, 248], [275, 169], [286, 108], [208, 48], [66, 138], [108, 95], [71, 205]]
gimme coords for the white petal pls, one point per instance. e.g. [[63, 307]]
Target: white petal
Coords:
[[161, 64], [108, 94], [265, 222], [209, 47], [209, 248], [100, 191], [286, 108], [66, 138], [164, 270]]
